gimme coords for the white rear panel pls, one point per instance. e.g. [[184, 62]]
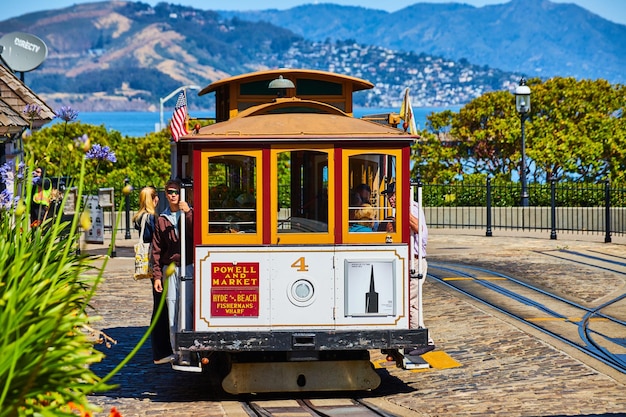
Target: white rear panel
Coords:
[[301, 288]]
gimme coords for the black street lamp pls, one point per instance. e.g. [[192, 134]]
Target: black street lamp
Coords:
[[522, 105]]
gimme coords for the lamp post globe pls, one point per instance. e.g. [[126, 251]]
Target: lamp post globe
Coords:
[[522, 105]]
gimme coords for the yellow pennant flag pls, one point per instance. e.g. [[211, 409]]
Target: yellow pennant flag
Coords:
[[406, 114]]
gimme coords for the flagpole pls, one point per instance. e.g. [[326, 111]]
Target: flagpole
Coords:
[[169, 96]]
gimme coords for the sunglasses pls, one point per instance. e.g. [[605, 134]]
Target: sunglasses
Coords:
[[173, 192]]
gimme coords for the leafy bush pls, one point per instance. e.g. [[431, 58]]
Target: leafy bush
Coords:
[[472, 192]]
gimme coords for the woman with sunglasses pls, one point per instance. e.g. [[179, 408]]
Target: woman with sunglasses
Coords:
[[160, 337], [166, 249]]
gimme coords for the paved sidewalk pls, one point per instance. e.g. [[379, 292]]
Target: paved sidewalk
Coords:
[[506, 368]]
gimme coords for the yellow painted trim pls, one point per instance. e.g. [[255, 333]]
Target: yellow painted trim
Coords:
[[232, 238], [366, 237]]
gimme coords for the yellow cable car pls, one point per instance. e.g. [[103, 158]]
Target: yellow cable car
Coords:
[[296, 273]]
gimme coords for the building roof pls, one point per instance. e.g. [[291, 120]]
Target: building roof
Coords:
[[14, 96]]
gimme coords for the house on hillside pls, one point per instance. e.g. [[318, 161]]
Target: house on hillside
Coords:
[[14, 122]]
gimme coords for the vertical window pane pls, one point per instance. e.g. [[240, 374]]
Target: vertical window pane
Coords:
[[369, 175], [302, 191], [232, 194]]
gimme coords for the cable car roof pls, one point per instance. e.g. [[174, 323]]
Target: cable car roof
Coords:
[[357, 83], [297, 126]]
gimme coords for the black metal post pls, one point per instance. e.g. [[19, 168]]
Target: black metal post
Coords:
[[607, 212], [127, 204], [523, 170], [553, 208], [488, 234]]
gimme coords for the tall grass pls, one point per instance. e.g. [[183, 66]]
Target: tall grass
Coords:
[[46, 347]]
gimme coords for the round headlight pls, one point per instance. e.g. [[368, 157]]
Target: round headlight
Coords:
[[301, 292]]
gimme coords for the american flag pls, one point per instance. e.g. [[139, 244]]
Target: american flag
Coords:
[[178, 125]]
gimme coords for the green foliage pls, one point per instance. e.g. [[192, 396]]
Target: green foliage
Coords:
[[143, 160], [575, 132], [472, 192], [284, 179], [45, 290], [572, 133]]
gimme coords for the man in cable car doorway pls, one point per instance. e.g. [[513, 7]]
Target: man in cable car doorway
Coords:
[[166, 249], [417, 222]]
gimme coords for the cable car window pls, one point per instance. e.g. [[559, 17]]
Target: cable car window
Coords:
[[232, 194], [308, 87], [302, 178], [256, 88], [368, 176]]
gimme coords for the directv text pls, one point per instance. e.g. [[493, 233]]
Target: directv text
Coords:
[[22, 43]]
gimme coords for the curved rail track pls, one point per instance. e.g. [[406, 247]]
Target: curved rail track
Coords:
[[598, 331]]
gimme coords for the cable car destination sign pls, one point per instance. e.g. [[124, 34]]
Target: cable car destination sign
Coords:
[[235, 289]]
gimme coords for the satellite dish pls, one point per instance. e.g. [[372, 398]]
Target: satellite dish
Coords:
[[22, 52]]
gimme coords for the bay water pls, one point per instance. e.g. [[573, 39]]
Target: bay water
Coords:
[[138, 124]]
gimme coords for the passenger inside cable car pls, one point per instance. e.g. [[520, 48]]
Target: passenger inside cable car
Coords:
[[305, 195], [364, 218]]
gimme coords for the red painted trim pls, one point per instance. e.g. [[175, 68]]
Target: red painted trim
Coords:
[[198, 204], [338, 214], [266, 156], [406, 195]]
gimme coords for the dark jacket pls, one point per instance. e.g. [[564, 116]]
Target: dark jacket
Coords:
[[149, 229], [166, 242]]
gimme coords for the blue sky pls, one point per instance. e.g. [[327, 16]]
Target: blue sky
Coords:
[[614, 10]]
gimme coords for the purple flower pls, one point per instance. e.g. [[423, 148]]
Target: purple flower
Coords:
[[67, 113], [21, 167], [8, 173], [32, 111], [101, 153], [80, 141], [6, 199]]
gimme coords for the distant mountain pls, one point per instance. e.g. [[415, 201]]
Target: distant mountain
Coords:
[[117, 55], [535, 37]]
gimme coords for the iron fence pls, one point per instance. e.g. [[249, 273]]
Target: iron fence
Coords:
[[571, 208]]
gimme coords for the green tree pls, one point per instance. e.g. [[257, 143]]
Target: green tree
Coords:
[[485, 129], [435, 155], [143, 160], [575, 131], [572, 133]]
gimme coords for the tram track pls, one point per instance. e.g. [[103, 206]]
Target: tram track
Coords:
[[330, 407], [592, 330]]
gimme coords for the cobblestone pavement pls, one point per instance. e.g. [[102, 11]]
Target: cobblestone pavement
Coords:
[[506, 368]]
